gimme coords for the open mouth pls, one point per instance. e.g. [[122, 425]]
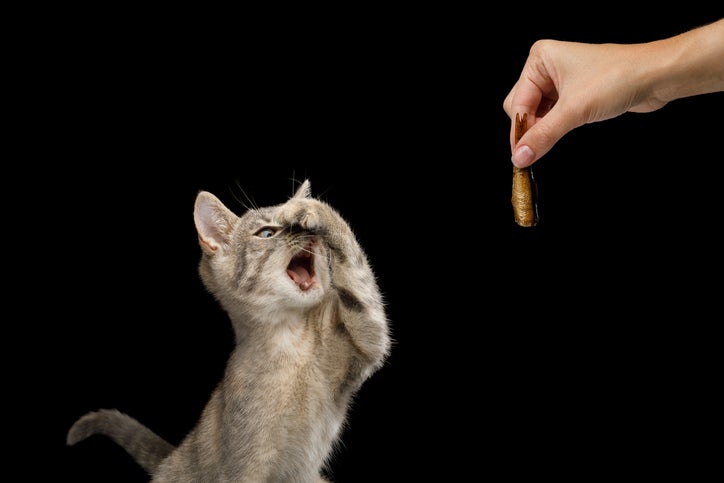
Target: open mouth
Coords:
[[301, 268]]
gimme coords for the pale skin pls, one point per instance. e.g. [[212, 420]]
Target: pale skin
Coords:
[[564, 85]]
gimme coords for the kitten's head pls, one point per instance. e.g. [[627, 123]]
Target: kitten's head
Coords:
[[266, 261]]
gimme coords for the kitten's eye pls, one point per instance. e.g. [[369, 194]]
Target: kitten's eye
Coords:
[[266, 232]]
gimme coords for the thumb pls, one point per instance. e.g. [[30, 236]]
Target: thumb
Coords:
[[542, 136]]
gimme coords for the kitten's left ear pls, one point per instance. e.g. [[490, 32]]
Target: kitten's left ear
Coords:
[[304, 190], [214, 222]]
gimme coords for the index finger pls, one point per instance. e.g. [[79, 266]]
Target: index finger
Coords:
[[524, 98]]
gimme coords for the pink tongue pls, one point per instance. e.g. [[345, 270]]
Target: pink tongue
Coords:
[[299, 275]]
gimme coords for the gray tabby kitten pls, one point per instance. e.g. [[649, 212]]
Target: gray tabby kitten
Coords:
[[310, 328]]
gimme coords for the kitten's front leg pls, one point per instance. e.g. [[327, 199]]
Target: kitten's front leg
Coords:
[[361, 306]]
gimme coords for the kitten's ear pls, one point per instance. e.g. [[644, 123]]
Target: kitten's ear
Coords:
[[214, 222], [304, 190]]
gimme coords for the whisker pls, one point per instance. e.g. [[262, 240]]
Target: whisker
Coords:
[[301, 241], [248, 203], [295, 183]]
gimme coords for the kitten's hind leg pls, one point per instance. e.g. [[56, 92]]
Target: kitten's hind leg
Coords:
[[146, 447]]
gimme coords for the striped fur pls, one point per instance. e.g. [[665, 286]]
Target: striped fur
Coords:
[[310, 328]]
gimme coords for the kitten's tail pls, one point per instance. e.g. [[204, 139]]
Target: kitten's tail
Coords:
[[145, 446]]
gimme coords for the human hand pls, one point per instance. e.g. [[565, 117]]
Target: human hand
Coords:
[[564, 85]]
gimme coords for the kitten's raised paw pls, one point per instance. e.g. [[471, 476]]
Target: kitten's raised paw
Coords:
[[305, 214]]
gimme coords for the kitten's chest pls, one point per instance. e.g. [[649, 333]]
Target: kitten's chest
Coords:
[[287, 369], [290, 345], [279, 396]]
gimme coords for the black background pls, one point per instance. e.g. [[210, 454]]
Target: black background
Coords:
[[584, 346]]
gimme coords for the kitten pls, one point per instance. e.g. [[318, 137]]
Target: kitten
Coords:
[[310, 328]]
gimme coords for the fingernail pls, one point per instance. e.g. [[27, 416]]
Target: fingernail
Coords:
[[523, 156]]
